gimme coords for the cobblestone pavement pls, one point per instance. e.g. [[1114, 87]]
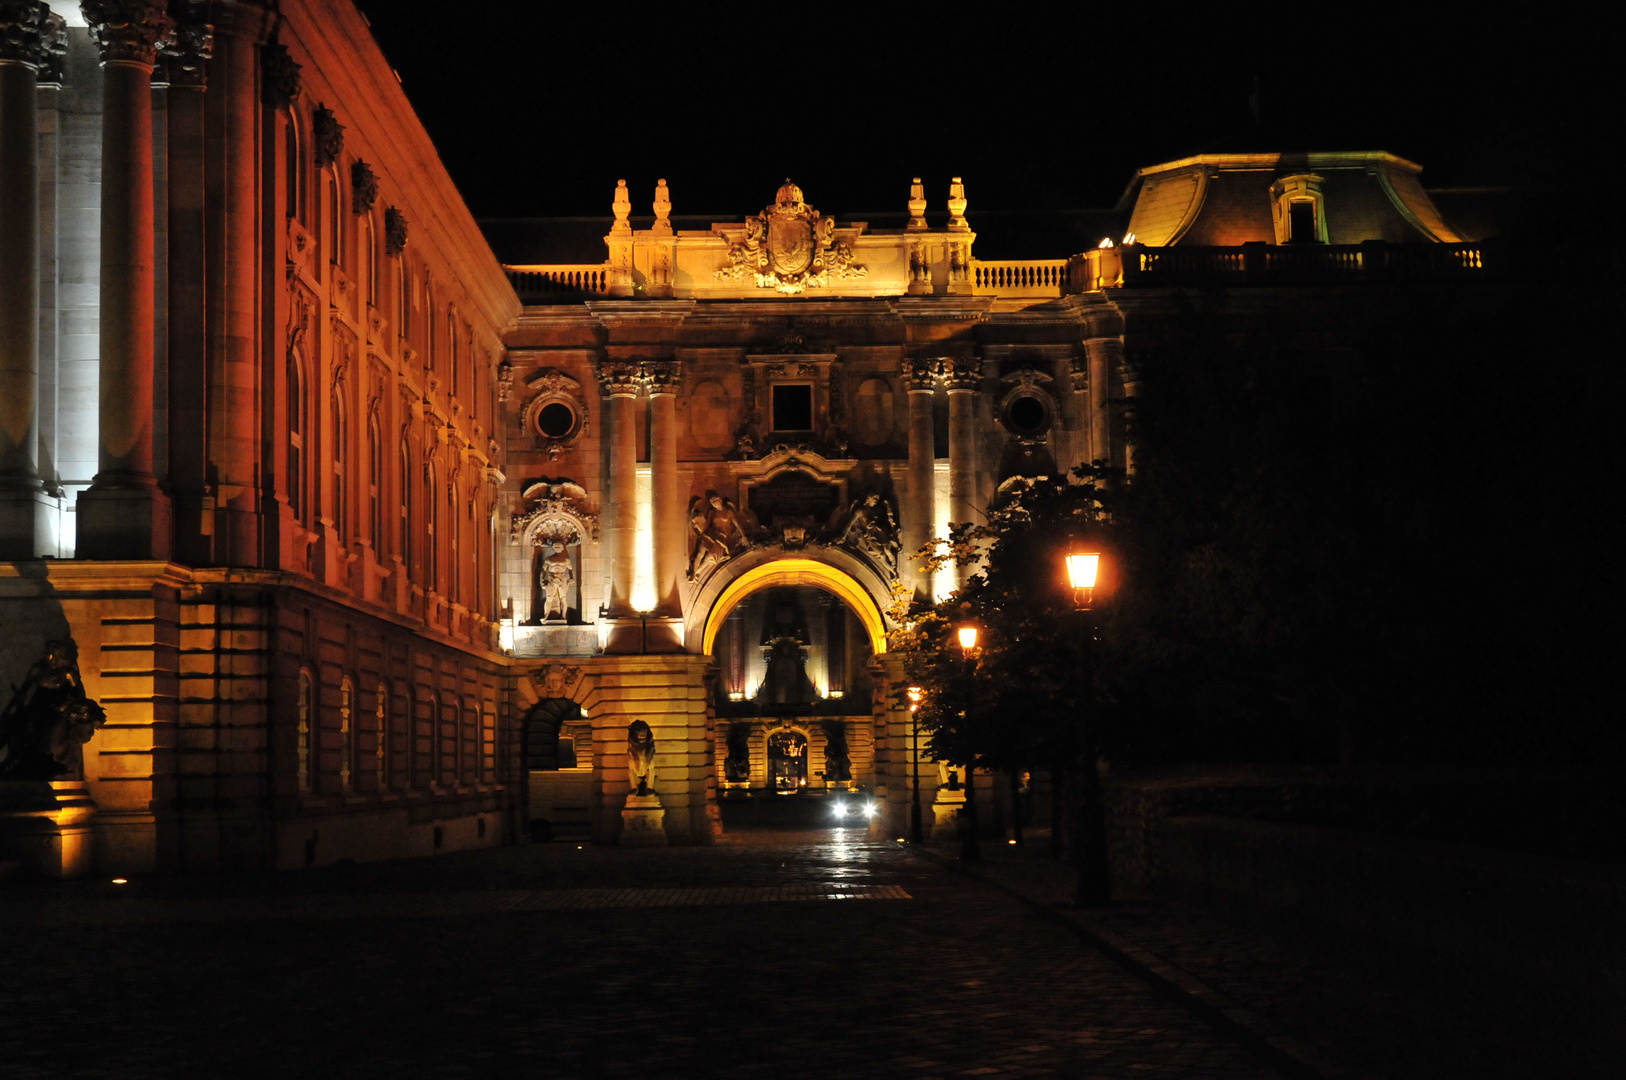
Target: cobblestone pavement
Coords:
[[1338, 1021], [741, 960]]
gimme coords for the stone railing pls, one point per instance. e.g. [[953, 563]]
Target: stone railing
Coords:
[[1138, 266], [1019, 279], [560, 281]]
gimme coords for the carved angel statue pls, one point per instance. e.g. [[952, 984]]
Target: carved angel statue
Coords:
[[640, 758], [720, 533], [872, 530]]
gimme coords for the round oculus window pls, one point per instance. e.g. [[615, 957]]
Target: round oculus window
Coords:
[[1027, 416], [556, 420]]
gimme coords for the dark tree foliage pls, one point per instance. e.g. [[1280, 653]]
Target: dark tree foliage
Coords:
[[1390, 541]]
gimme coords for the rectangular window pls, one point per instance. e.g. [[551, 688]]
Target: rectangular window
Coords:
[[793, 407]]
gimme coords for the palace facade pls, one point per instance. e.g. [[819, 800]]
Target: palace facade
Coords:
[[373, 545]]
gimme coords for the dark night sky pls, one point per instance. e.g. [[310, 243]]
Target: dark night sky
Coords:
[[538, 108]]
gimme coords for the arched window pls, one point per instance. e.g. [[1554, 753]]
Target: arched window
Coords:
[[381, 736], [341, 517], [404, 540], [296, 437], [347, 743], [443, 730], [431, 549], [403, 317], [303, 731], [429, 331], [294, 169], [414, 760], [369, 256], [375, 485], [455, 578], [335, 218], [451, 348]]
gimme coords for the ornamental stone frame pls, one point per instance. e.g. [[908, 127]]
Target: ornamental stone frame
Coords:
[[551, 386]]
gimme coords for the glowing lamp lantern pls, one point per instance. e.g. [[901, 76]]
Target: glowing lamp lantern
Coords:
[[968, 638], [1082, 568]]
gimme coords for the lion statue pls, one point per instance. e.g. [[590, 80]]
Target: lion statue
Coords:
[[640, 758]]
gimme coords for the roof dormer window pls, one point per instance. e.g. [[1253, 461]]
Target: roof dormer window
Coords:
[[1299, 209]]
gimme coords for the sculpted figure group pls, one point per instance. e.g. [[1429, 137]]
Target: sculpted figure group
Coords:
[[48, 718]]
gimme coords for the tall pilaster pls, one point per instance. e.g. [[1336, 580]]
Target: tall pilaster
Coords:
[[621, 382], [123, 515], [188, 78], [963, 377], [671, 529], [25, 513], [1105, 356], [233, 110], [920, 513]]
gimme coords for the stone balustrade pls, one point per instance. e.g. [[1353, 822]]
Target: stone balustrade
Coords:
[[549, 282], [1136, 265], [1019, 278]]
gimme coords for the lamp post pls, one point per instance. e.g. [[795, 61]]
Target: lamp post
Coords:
[[1089, 827], [970, 849], [916, 836]]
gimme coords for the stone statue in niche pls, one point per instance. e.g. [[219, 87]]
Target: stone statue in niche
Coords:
[[838, 765], [48, 719], [640, 758], [737, 766], [556, 576], [720, 533], [871, 529]]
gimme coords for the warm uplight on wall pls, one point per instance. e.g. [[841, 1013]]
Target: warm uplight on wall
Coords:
[[737, 695], [643, 582], [1129, 238], [1106, 242]]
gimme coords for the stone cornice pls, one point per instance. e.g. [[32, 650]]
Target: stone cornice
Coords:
[[928, 309], [342, 62]]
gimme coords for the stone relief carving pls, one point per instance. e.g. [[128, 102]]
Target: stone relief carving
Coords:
[[789, 247], [395, 231], [870, 528], [188, 53], [22, 31], [327, 136], [128, 30], [279, 75], [722, 530], [556, 680], [505, 381], [363, 188]]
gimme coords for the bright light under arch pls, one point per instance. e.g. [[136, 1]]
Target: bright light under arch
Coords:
[[797, 572]]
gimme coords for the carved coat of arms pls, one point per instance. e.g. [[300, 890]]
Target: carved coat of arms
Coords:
[[789, 247]]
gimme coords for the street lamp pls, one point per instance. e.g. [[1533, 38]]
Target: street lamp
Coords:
[[1090, 833], [916, 836], [970, 850]]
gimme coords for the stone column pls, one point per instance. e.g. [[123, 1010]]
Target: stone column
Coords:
[[963, 376], [233, 108], [620, 382], [1105, 355], [25, 513], [668, 513], [188, 62], [1078, 447], [920, 512], [123, 515]]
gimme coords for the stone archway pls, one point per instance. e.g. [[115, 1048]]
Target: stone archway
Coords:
[[833, 571]]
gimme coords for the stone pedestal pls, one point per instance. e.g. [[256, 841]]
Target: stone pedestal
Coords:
[[945, 813], [643, 822], [45, 827]]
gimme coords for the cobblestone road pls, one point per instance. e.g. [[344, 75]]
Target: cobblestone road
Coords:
[[752, 958]]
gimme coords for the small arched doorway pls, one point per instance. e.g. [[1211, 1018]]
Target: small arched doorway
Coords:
[[557, 750]]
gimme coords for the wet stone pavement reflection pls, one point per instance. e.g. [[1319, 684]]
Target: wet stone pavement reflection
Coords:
[[772, 954]]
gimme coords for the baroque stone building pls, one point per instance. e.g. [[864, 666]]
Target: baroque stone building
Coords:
[[374, 545]]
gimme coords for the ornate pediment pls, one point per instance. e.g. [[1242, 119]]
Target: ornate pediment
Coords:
[[789, 247], [555, 512]]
